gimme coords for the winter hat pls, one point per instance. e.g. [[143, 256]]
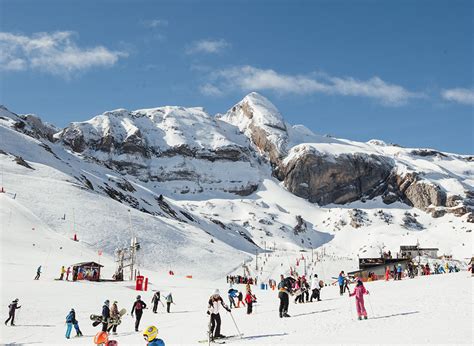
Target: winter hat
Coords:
[[107, 302], [216, 292], [139, 297], [16, 300], [359, 282], [72, 309]]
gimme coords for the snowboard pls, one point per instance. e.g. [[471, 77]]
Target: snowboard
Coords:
[[112, 321]]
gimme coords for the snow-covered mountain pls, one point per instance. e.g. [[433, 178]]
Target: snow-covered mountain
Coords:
[[205, 189]]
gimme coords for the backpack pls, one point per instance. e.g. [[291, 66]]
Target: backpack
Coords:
[[138, 305]]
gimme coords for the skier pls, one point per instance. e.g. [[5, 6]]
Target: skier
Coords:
[[284, 289], [114, 314], [70, 321], [249, 299], [138, 307], [63, 270], [359, 292], [341, 281], [215, 301], [395, 276], [315, 289], [11, 313], [105, 315], [387, 273], [232, 294], [169, 301], [151, 337], [38, 273], [399, 271], [155, 300]]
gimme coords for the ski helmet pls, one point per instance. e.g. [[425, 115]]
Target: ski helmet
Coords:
[[101, 338], [139, 297], [150, 333]]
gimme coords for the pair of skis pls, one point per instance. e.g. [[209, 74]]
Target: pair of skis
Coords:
[[222, 340]]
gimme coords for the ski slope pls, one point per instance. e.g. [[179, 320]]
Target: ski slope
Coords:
[[434, 309]]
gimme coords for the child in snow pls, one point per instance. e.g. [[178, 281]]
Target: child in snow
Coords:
[[11, 312], [359, 292], [151, 337], [70, 321]]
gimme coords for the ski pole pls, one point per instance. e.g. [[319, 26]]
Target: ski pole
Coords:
[[235, 324], [370, 304]]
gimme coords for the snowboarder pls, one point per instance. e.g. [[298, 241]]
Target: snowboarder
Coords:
[[155, 300], [11, 312], [105, 315], [71, 321], [138, 307], [151, 337], [215, 301], [341, 281], [114, 314], [284, 289], [63, 270], [315, 294], [38, 273], [359, 292], [169, 301]]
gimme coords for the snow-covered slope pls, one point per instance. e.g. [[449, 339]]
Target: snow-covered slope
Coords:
[[412, 305]]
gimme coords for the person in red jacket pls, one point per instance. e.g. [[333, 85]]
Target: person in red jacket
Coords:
[[249, 299], [359, 292], [387, 273]]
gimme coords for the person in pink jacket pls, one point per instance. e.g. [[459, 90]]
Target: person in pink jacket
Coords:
[[359, 292]]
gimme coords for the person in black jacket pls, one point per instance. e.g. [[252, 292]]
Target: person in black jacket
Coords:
[[11, 312], [105, 315], [155, 300], [284, 290], [138, 307]]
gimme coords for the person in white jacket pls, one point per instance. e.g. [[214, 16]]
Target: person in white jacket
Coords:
[[315, 288], [215, 302]]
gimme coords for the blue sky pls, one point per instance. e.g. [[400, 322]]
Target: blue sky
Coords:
[[400, 71]]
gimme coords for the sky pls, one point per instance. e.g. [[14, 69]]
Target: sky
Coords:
[[399, 71]]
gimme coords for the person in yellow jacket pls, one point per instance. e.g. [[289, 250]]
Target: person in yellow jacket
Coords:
[[63, 270]]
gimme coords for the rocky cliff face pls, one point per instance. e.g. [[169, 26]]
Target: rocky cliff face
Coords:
[[191, 152]]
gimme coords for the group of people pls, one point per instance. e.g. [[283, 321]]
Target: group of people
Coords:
[[238, 279]]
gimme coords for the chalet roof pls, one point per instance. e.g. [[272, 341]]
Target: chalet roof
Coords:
[[87, 264]]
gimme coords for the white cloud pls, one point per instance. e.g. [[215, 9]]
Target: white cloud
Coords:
[[56, 53], [210, 90], [460, 95], [248, 78], [154, 23], [207, 46]]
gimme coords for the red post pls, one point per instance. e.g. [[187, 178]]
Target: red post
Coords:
[[139, 283], [146, 285]]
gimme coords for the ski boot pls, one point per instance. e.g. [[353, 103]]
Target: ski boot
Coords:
[[360, 318], [365, 317]]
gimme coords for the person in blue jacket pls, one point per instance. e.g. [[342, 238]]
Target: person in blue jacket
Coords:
[[341, 281], [71, 321], [399, 271], [232, 295]]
